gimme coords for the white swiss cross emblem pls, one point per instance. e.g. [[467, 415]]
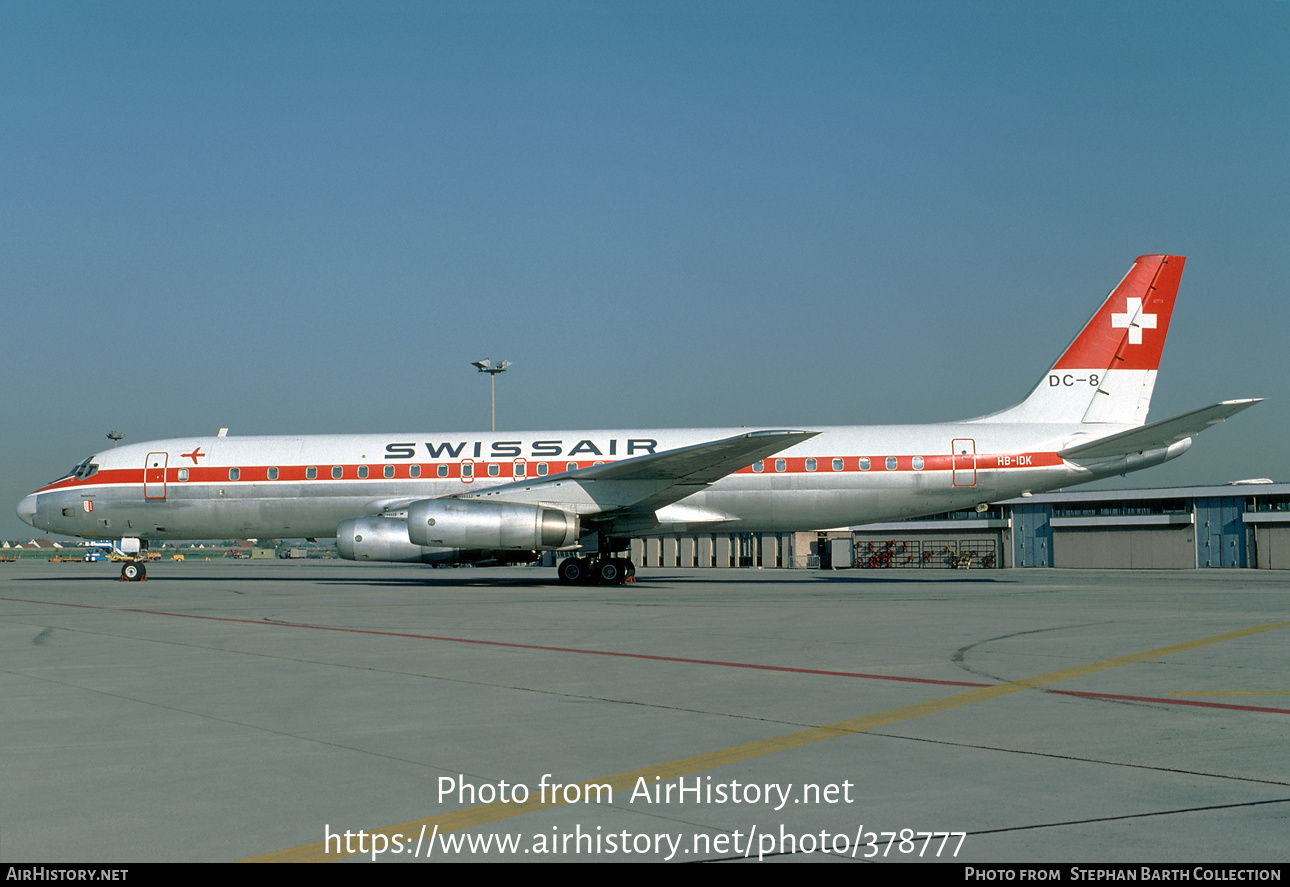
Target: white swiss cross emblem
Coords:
[[1134, 319]]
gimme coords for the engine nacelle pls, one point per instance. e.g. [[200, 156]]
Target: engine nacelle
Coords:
[[469, 523], [386, 539], [377, 539]]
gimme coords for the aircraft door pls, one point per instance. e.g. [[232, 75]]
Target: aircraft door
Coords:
[[154, 476], [964, 459]]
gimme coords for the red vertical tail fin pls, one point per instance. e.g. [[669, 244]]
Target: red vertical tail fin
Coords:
[[1106, 375]]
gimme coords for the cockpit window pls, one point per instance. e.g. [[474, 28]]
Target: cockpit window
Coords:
[[75, 470], [88, 468]]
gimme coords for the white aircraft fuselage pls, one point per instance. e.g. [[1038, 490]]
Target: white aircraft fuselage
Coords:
[[427, 496], [222, 488]]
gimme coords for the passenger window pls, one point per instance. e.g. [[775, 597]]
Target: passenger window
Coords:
[[864, 463], [918, 463], [442, 471], [541, 469], [337, 472], [311, 472], [780, 464], [891, 463], [571, 466], [389, 471], [234, 473], [414, 471], [273, 474], [183, 474], [758, 466], [494, 469], [810, 464], [467, 469], [837, 464]]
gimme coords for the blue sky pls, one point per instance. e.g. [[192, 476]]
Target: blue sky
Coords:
[[311, 217]]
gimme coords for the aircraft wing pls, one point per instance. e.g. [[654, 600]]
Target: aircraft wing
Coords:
[[643, 484], [702, 463], [1158, 435]]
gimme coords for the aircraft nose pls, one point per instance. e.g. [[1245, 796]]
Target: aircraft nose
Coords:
[[27, 509]]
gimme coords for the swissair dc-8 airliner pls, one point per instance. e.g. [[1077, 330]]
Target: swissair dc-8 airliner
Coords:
[[428, 498]]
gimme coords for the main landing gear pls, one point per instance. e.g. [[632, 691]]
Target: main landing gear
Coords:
[[596, 571], [133, 571]]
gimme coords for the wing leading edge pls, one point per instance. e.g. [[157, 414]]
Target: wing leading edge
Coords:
[[643, 484]]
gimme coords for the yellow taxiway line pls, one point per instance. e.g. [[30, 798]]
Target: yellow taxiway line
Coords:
[[484, 814]]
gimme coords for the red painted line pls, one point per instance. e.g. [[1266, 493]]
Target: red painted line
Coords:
[[1228, 705], [430, 637], [646, 656]]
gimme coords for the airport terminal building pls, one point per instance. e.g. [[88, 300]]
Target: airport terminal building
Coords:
[[1234, 525]]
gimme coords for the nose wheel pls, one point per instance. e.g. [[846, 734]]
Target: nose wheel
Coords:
[[133, 571]]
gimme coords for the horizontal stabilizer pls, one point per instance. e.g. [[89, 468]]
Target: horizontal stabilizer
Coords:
[[1159, 435]]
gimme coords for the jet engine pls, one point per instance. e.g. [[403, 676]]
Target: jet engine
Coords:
[[377, 539], [469, 523], [386, 539]]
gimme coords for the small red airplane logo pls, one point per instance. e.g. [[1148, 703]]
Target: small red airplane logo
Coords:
[[194, 455]]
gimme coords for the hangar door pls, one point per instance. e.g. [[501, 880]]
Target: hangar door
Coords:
[[1220, 532], [1032, 535]]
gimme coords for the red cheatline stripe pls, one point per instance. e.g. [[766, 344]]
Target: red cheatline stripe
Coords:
[[218, 474], [715, 662]]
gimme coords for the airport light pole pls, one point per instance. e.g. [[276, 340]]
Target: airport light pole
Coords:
[[492, 367], [114, 436]]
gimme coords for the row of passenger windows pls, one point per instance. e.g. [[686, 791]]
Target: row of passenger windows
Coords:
[[838, 464], [519, 468], [494, 469]]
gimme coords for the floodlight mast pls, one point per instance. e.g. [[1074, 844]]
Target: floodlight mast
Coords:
[[492, 367]]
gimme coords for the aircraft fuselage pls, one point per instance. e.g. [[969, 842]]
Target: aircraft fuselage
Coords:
[[434, 497], [220, 487]]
